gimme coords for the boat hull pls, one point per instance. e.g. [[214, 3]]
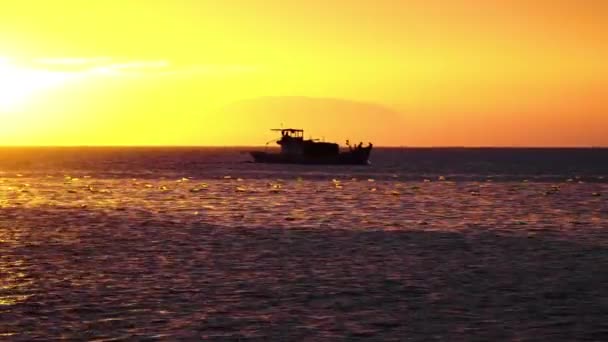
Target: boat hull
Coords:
[[360, 157]]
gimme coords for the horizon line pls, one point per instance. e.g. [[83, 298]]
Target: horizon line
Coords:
[[265, 146]]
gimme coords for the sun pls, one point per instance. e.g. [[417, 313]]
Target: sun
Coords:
[[19, 84]]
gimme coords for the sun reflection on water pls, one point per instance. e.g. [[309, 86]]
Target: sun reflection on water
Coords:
[[12, 282], [13, 278], [124, 252]]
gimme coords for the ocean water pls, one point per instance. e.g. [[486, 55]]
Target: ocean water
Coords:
[[199, 244]]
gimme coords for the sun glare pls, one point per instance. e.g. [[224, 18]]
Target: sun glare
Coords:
[[19, 84]]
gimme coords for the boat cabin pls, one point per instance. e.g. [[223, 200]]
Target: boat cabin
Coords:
[[292, 143], [290, 132]]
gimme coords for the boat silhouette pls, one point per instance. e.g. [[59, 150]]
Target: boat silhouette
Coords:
[[297, 150]]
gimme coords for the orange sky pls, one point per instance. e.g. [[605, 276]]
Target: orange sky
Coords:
[[196, 72]]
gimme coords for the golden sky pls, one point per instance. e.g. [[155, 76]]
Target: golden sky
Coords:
[[197, 72]]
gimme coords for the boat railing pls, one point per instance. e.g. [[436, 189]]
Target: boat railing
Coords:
[[268, 143]]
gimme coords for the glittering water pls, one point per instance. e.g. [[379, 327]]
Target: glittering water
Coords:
[[197, 244]]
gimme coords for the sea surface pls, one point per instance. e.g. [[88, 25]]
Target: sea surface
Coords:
[[111, 244]]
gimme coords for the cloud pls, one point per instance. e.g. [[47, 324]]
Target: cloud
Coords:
[[140, 65], [213, 70], [107, 66], [73, 61], [130, 68], [99, 65]]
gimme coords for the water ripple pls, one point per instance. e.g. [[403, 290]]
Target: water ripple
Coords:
[[300, 257]]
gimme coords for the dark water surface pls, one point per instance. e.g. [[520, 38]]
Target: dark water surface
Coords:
[[197, 244]]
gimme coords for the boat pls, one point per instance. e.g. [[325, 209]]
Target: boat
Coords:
[[297, 150]]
